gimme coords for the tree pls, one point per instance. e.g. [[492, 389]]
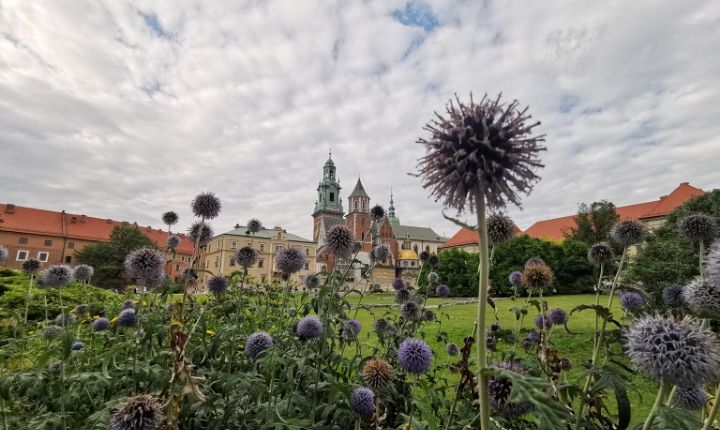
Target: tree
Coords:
[[593, 223], [107, 257]]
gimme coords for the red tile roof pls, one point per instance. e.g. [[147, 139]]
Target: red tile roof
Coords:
[[51, 223], [467, 237]]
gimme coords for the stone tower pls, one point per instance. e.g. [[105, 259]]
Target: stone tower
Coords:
[[358, 217], [328, 207]]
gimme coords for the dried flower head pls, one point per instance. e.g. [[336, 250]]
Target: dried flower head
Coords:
[[558, 316], [311, 281], [433, 260], [31, 265], [218, 284], [101, 324], [377, 213], [673, 295], [433, 277], [410, 311], [309, 327], [52, 332], [442, 290], [257, 343], [632, 301], [77, 345], [515, 278], [290, 260], [692, 398], [362, 401], [697, 227], [679, 352], [628, 233], [537, 277], [702, 296], [499, 389], [56, 276], [414, 355], [534, 260], [127, 318], [542, 321], [424, 255], [173, 241], [378, 374], [351, 328], [452, 349], [200, 233], [83, 272], [206, 205], [141, 412], [65, 319], [128, 304], [480, 149], [145, 264], [403, 296], [380, 252], [382, 326], [398, 284], [500, 228], [340, 241], [601, 253], [254, 225]]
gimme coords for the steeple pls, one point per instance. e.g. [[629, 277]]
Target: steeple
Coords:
[[391, 211], [329, 191], [359, 200]]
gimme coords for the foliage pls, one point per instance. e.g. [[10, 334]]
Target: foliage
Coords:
[[593, 222]]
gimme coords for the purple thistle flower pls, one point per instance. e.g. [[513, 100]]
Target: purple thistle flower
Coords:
[[309, 327], [173, 241], [402, 296], [542, 321], [491, 343], [340, 241], [127, 318], [424, 255], [170, 218], [702, 296], [601, 253], [534, 260], [414, 356], [410, 311], [77, 346], [499, 389], [206, 205], [697, 227], [31, 265], [83, 272], [257, 343], [377, 213], [145, 264], [128, 304], [398, 284], [692, 398], [500, 228], [533, 337], [527, 344], [218, 284], [452, 349], [362, 401], [254, 225], [495, 327], [558, 316], [290, 260], [381, 326], [351, 328], [380, 252], [56, 276], [311, 281], [632, 301], [246, 256], [433, 261], [515, 278], [628, 233], [673, 295], [200, 231], [101, 324], [442, 290]]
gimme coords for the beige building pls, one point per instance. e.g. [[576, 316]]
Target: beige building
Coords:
[[220, 251]]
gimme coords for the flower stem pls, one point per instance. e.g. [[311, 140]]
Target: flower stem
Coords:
[[662, 393], [713, 412], [27, 299], [701, 254], [597, 303], [483, 281]]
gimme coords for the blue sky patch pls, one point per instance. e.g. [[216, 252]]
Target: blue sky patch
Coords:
[[568, 103], [152, 21], [416, 14]]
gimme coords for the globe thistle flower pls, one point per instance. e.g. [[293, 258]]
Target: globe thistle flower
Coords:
[[290, 260], [77, 346], [189, 276], [145, 264], [52, 332], [128, 304], [495, 327], [55, 367], [83, 272], [601, 253], [692, 398], [410, 311], [424, 255], [31, 265], [351, 328], [170, 218], [675, 351], [537, 277], [206, 206], [311, 281], [378, 374], [254, 225], [218, 284], [80, 310], [452, 349], [442, 290], [428, 315], [515, 278], [433, 261], [257, 343], [697, 227], [632, 301], [3, 253], [480, 149], [309, 327], [398, 284], [414, 356], [527, 344], [402, 296], [292, 312], [702, 296], [533, 337], [533, 261], [628, 233], [564, 363], [433, 277], [141, 412], [499, 389], [362, 401], [173, 241], [673, 295], [56, 276], [377, 213], [382, 326], [491, 343], [340, 241], [200, 231], [101, 324], [127, 318], [380, 252], [500, 228], [65, 319], [558, 316], [543, 322]]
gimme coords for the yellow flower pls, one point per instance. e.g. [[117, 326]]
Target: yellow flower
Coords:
[[210, 332], [30, 332], [408, 426], [114, 320], [144, 303]]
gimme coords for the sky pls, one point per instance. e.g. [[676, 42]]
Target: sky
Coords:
[[126, 110]]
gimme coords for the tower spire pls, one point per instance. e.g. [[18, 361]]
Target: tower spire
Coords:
[[391, 210]]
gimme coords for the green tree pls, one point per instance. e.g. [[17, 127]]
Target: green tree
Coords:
[[459, 271], [107, 257], [593, 223]]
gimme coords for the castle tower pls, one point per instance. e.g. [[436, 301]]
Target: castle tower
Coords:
[[328, 207], [358, 217]]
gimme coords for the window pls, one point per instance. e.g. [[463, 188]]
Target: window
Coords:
[[232, 261], [68, 259], [307, 266], [22, 256], [427, 248], [355, 205], [43, 256], [405, 263], [363, 204], [22, 240], [262, 247], [263, 279], [71, 245], [260, 264], [307, 251], [233, 244], [412, 263], [48, 242], [332, 197], [177, 267], [278, 248]]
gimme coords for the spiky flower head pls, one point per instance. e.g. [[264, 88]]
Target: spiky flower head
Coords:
[[433, 277], [702, 296], [128, 304], [442, 290], [398, 284], [290, 260], [340, 241], [382, 326], [200, 231], [206, 205], [676, 351], [58, 275], [127, 318], [485, 148], [254, 225], [378, 374], [428, 315], [246, 256], [173, 241], [189, 276], [141, 412], [500, 228], [424, 255], [414, 355], [601, 253], [77, 346], [697, 227], [145, 263], [55, 367], [515, 278], [628, 233], [362, 401], [499, 389], [543, 321], [31, 265], [309, 327], [80, 310], [101, 324], [377, 213], [351, 328], [403, 296], [632, 301], [257, 343], [65, 319], [495, 327], [410, 311], [380, 252], [3, 253], [491, 343], [311, 281], [170, 218], [537, 277], [452, 349], [83, 272], [52, 332], [533, 337], [218, 284], [692, 398], [534, 260], [564, 363], [673, 295], [558, 316], [433, 260]]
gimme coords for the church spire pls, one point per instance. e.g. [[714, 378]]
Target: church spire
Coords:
[[391, 211]]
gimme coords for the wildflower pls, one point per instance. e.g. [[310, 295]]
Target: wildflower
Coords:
[[414, 356], [351, 328], [452, 349], [537, 277], [433, 277], [309, 327], [377, 213], [170, 218], [564, 364], [254, 225], [65, 319], [208, 332], [380, 252], [382, 326], [127, 318], [424, 255], [515, 278], [128, 304], [402, 296], [246, 256], [442, 290], [600, 253], [491, 343], [410, 311], [500, 229], [433, 261], [398, 284], [675, 351], [189, 276], [542, 321], [206, 205], [631, 300], [200, 233], [292, 312], [362, 401], [340, 241], [378, 374], [628, 233], [218, 284], [558, 316], [141, 412], [527, 344], [289, 260], [77, 346], [428, 315], [55, 367], [692, 398], [483, 148], [311, 281], [52, 332], [173, 241], [83, 272], [31, 265], [702, 296], [495, 327], [533, 337], [145, 264], [101, 324], [697, 227], [500, 388], [257, 343], [673, 295], [56, 276]]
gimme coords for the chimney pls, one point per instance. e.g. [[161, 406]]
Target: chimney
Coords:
[[9, 208]]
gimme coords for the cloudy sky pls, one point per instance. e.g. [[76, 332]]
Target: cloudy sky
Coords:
[[128, 109]]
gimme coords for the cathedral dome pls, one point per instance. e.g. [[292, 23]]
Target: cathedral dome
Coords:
[[407, 254]]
